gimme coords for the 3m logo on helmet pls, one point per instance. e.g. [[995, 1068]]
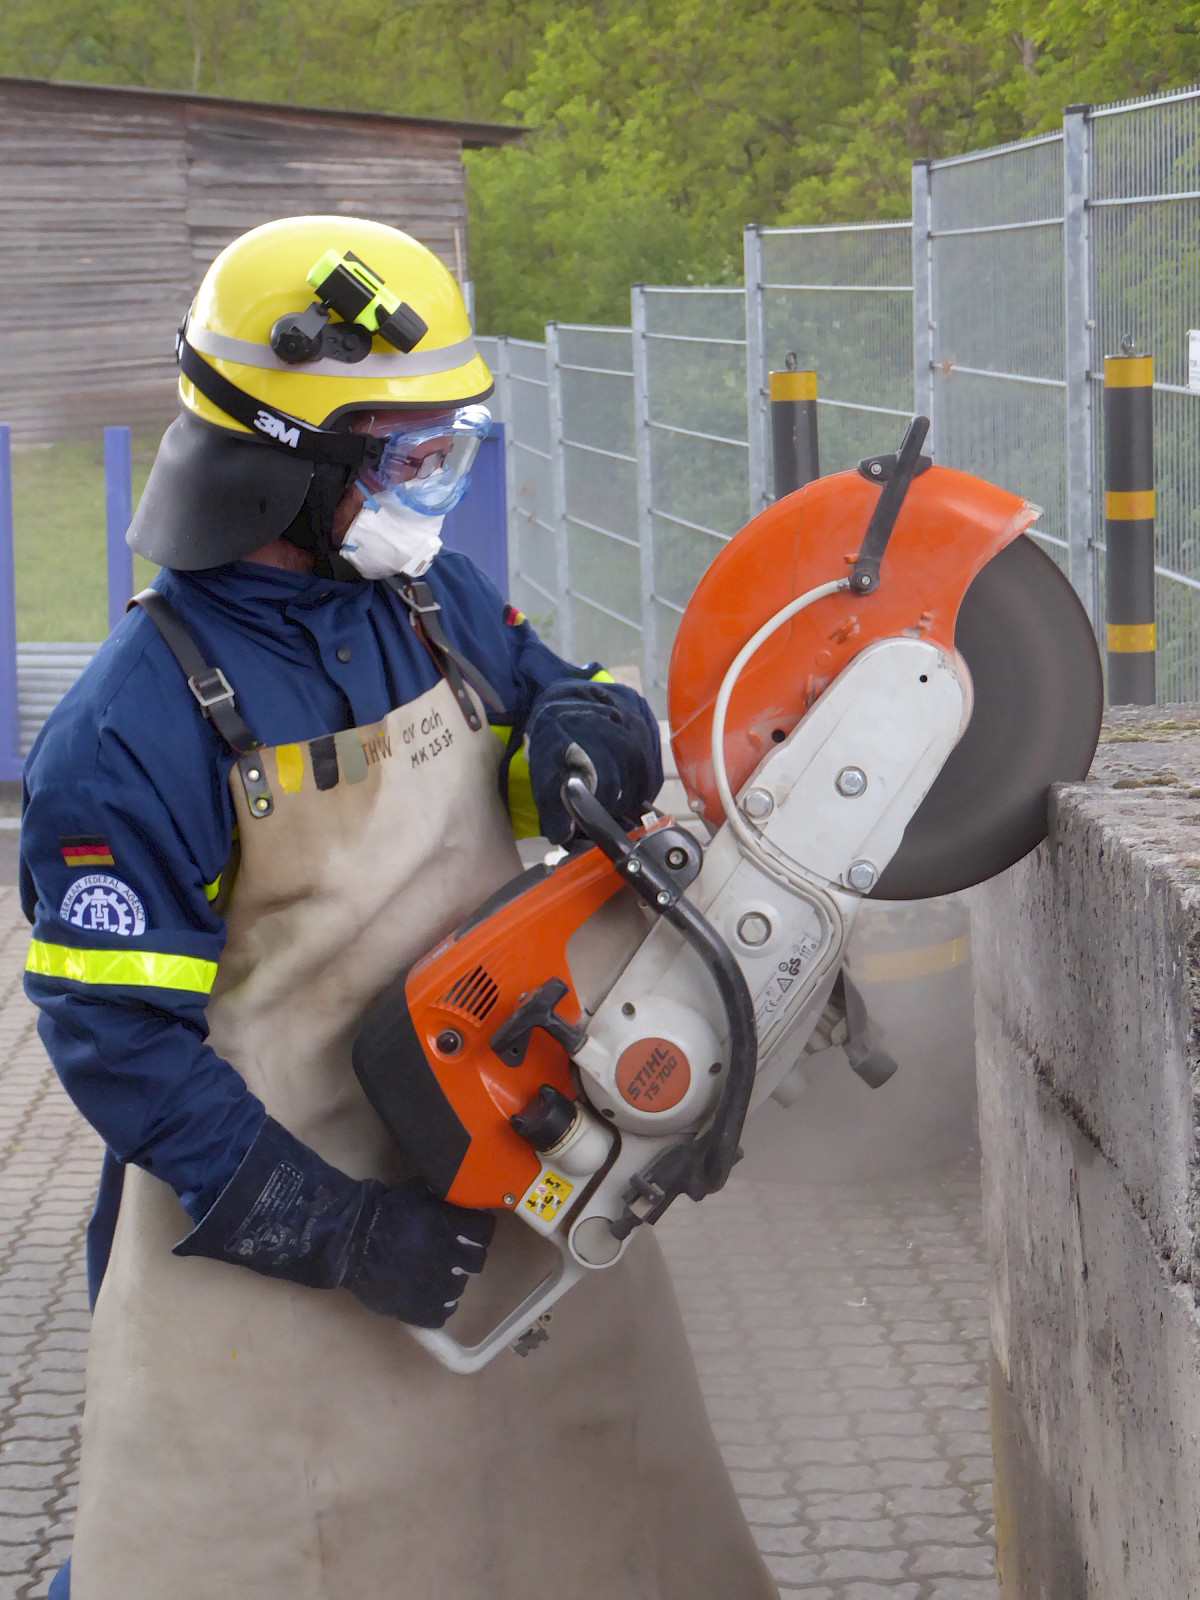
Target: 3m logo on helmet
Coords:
[[276, 428]]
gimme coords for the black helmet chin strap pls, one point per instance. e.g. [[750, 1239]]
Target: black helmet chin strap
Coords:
[[312, 527], [276, 428]]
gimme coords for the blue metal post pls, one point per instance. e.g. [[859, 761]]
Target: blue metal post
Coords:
[[478, 525], [10, 716], [118, 507]]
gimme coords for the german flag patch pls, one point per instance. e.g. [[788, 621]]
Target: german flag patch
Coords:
[[513, 617], [86, 850]]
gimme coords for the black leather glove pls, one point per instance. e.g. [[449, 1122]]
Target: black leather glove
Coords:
[[288, 1214], [604, 726]]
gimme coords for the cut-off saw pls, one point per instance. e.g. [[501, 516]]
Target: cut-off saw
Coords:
[[870, 693]]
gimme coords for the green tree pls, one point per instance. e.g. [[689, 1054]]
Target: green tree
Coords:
[[657, 128], [662, 128]]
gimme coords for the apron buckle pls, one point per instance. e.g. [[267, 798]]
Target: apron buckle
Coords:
[[254, 781]]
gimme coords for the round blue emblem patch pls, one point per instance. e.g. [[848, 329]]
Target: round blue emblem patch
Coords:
[[102, 904]]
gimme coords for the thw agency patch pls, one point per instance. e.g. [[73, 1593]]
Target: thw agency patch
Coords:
[[102, 904]]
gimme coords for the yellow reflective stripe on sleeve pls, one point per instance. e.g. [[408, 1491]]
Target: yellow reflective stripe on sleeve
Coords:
[[603, 676], [213, 889], [521, 809], [141, 969]]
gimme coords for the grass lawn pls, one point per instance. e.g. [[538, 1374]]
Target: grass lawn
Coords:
[[58, 512]]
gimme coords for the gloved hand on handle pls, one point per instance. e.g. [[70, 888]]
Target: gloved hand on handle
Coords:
[[288, 1214], [576, 725]]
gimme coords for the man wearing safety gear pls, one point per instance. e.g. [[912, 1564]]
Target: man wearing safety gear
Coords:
[[293, 768]]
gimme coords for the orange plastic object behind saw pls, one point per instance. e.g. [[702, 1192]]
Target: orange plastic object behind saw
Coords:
[[949, 527]]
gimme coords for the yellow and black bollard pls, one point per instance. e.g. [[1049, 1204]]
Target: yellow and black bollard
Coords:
[[1129, 527], [793, 428]]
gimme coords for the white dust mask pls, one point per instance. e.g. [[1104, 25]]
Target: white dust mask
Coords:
[[386, 538]]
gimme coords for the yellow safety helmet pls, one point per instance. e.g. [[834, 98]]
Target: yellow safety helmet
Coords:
[[270, 276], [297, 324]]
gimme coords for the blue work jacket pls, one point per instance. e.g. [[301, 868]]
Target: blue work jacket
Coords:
[[128, 823]]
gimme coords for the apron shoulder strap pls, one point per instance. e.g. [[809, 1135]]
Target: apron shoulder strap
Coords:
[[451, 663], [212, 689]]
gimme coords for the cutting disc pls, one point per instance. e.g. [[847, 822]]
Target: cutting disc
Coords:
[[1039, 697]]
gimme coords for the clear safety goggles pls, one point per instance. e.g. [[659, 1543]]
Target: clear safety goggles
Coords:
[[426, 465]]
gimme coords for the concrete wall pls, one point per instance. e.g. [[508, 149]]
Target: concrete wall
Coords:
[[1087, 961]]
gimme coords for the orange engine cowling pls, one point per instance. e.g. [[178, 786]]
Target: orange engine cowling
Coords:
[[438, 1053]]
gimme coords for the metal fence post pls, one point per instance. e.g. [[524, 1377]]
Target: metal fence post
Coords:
[[757, 418], [10, 715], [922, 270], [645, 491], [563, 629], [1081, 553], [504, 405], [118, 510]]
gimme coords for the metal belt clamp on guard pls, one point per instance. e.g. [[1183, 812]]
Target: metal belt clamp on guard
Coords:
[[871, 691]]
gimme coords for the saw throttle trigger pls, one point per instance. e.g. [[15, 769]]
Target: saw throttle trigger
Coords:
[[658, 867], [896, 473]]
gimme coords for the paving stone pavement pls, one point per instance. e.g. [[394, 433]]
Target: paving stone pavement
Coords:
[[841, 1336], [839, 1330]]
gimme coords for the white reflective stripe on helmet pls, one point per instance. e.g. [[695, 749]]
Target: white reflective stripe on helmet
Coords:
[[247, 353]]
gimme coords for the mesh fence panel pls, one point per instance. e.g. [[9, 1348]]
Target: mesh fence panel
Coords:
[[1145, 286], [840, 299], [632, 468], [595, 378], [696, 486], [998, 316], [533, 556]]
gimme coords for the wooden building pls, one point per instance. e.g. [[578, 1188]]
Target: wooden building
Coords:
[[113, 202]]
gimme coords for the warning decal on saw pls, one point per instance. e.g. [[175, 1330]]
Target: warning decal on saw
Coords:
[[773, 997], [548, 1196]]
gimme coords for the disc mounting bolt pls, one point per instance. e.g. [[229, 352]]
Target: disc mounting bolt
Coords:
[[758, 804], [851, 781], [861, 876]]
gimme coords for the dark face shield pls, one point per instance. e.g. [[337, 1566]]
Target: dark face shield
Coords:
[[214, 497]]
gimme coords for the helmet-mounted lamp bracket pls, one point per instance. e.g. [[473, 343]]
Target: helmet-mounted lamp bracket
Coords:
[[366, 305]]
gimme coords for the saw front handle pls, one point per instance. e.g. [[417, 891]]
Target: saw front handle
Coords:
[[702, 1166], [522, 1320]]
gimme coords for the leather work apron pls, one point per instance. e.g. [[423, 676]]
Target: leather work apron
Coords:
[[251, 1439]]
